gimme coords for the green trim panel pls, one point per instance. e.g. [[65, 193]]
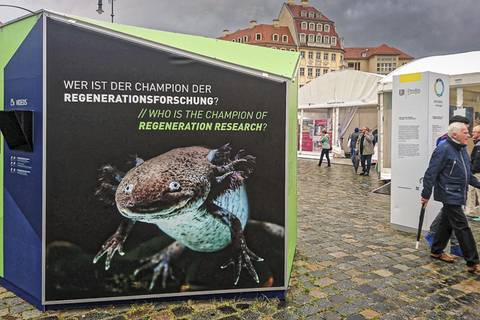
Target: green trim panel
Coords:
[[273, 61], [11, 37], [292, 172]]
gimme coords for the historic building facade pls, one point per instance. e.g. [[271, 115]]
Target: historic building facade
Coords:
[[299, 27], [382, 59]]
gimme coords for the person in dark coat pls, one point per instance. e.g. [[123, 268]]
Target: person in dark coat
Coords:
[[448, 175], [353, 144], [474, 194], [454, 246]]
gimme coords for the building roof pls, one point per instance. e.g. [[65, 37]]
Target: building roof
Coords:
[[296, 10], [367, 52], [267, 31]]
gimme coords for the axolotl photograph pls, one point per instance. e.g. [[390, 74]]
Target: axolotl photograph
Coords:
[[196, 197]]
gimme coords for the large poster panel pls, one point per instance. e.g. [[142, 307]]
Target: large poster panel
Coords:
[[165, 175]]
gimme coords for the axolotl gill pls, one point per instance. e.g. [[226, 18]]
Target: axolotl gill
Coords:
[[195, 195]]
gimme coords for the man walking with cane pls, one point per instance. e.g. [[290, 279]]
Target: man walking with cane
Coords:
[[449, 174]]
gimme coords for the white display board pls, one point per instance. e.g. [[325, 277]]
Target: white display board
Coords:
[[420, 113]]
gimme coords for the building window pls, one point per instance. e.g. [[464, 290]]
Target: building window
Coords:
[[234, 40], [334, 41], [354, 65], [311, 26], [326, 28], [319, 55], [318, 72], [334, 56], [284, 38], [319, 15], [258, 36], [311, 38], [245, 38], [325, 71], [303, 13], [310, 54], [303, 38], [302, 54], [364, 54], [275, 37], [319, 27], [311, 14], [319, 38], [302, 72], [325, 56], [293, 50], [310, 72], [326, 39], [239, 39], [304, 25]]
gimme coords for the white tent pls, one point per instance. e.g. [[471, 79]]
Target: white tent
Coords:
[[464, 72], [348, 98], [346, 88], [463, 69]]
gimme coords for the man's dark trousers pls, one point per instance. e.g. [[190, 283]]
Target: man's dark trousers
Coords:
[[366, 161], [454, 218]]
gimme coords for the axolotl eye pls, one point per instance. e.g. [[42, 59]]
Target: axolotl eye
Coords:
[[128, 189], [174, 186]]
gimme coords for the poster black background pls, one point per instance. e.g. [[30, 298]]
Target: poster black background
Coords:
[[83, 137]]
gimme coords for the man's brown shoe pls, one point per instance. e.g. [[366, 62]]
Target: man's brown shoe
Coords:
[[443, 257], [475, 269]]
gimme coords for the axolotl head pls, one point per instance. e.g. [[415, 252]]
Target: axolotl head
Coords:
[[165, 185]]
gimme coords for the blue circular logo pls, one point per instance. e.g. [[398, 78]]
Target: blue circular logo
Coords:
[[439, 87]]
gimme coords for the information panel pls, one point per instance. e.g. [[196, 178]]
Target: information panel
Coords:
[[420, 113]]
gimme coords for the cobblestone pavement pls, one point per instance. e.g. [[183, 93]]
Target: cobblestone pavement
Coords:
[[350, 264]]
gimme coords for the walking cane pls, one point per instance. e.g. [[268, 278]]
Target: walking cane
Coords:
[[420, 224]]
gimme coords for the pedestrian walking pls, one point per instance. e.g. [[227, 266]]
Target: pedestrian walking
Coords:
[[473, 196], [365, 150], [448, 174], [326, 146], [454, 246], [353, 144]]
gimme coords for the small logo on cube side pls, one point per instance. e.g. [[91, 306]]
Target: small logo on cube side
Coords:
[[439, 87]]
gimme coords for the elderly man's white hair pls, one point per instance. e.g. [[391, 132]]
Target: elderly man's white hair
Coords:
[[455, 127]]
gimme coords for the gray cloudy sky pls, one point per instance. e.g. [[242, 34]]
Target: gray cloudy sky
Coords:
[[418, 27]]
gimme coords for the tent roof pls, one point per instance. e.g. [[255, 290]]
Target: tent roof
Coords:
[[450, 64], [346, 88], [261, 59]]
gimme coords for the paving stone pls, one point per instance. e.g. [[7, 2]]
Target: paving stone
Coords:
[[370, 314], [182, 311], [226, 309], [252, 315], [355, 317], [234, 317], [325, 282]]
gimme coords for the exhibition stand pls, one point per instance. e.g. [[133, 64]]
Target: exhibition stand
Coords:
[[339, 101], [140, 164]]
